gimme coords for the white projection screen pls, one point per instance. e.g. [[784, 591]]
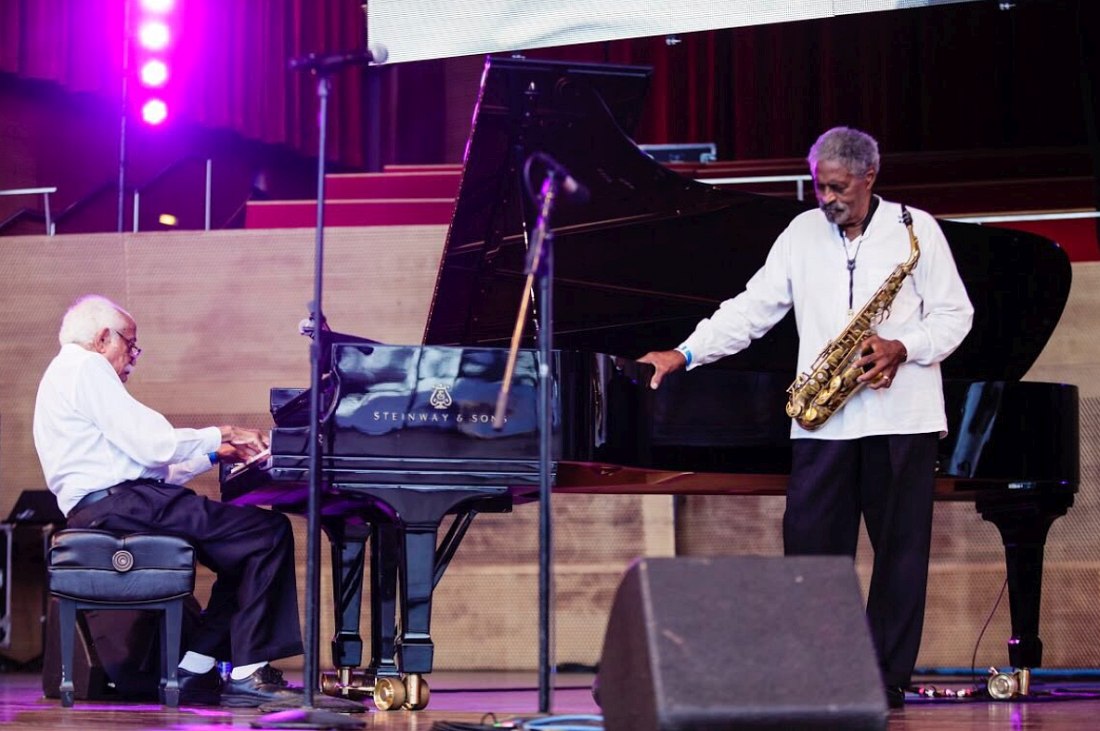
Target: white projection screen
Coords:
[[414, 30]]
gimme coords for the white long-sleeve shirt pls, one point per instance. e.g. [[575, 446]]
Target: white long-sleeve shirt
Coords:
[[807, 268], [90, 432]]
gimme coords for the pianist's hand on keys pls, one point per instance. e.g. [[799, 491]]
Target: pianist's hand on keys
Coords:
[[240, 444]]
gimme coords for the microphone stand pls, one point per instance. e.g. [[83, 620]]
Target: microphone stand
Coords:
[[313, 596], [544, 266], [309, 717], [540, 265]]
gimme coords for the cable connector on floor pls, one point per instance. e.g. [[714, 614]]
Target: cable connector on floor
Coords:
[[584, 722]]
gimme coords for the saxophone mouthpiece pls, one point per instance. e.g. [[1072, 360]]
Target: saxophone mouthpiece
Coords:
[[906, 217]]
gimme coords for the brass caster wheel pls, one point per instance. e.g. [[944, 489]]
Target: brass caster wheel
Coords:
[[1003, 686], [355, 686], [346, 683], [330, 684], [417, 693], [360, 686], [389, 694]]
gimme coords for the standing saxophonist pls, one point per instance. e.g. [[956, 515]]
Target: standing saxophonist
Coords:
[[876, 455]]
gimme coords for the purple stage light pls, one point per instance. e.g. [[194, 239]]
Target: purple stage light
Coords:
[[154, 73], [154, 111], [153, 35], [157, 6]]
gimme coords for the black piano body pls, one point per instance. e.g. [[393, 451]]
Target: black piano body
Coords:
[[635, 269]]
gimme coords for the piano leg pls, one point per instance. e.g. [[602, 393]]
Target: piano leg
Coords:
[[384, 559], [414, 647], [405, 553], [348, 549], [1024, 524], [348, 544]]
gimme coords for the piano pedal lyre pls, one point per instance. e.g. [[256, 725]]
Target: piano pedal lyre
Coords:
[[1003, 686], [346, 682], [410, 693]]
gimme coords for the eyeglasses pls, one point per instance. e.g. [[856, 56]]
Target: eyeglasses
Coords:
[[131, 345]]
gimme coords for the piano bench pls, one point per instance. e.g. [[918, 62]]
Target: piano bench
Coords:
[[95, 569]]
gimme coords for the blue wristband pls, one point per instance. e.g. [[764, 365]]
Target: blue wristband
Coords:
[[686, 353], [213, 457]]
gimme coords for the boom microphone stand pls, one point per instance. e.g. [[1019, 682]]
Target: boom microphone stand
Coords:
[[308, 717], [540, 265]]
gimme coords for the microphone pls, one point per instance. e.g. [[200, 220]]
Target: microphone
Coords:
[[570, 189], [328, 62]]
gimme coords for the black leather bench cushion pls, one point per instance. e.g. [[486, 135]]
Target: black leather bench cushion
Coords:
[[99, 566]]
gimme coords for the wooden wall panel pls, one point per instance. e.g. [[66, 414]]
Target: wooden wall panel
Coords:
[[218, 318], [217, 313]]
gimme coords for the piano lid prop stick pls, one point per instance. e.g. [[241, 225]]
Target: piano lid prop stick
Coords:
[[513, 350], [538, 238]]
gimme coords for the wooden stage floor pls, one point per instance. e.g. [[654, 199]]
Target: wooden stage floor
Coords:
[[468, 697]]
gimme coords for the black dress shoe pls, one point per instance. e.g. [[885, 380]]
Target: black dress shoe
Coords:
[[895, 696], [263, 686], [200, 689]]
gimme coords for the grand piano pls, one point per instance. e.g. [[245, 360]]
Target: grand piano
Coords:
[[407, 438]]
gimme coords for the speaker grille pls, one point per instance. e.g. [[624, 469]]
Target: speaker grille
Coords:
[[742, 642]]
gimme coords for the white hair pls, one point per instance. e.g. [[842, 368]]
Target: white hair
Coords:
[[856, 150], [87, 318]]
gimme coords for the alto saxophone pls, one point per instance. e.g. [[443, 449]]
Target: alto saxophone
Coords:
[[833, 378]]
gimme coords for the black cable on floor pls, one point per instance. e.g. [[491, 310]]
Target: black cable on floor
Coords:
[[488, 722]]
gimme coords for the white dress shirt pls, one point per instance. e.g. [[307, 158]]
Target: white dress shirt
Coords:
[[90, 432], [807, 268]]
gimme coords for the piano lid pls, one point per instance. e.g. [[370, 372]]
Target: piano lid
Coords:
[[652, 252]]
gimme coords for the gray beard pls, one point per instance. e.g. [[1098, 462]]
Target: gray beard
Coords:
[[831, 214]]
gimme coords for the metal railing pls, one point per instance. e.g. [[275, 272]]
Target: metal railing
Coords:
[[799, 181], [45, 193], [109, 186], [1010, 217], [164, 173]]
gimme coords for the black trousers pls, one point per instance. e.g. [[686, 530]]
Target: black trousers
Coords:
[[888, 480], [253, 607]]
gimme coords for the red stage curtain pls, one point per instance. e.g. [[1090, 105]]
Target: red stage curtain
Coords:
[[951, 77], [954, 77], [77, 43]]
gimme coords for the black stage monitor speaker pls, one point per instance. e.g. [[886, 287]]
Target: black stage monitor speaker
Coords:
[[748, 642], [24, 540], [35, 507]]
